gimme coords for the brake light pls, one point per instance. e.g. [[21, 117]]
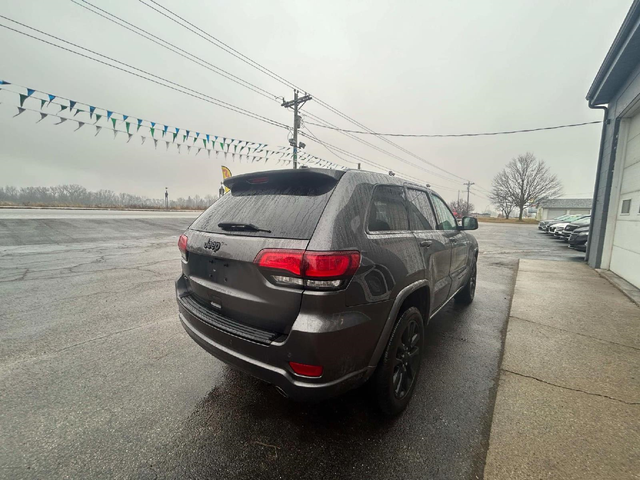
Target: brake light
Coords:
[[258, 180], [306, 370], [318, 270], [287, 260], [182, 245]]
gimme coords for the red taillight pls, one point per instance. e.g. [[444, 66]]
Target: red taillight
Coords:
[[319, 270], [287, 260], [306, 370], [330, 264], [258, 180], [182, 243]]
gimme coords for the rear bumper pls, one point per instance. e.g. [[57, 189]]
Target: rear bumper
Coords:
[[344, 353]]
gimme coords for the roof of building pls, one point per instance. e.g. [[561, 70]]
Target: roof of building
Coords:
[[566, 203], [623, 57]]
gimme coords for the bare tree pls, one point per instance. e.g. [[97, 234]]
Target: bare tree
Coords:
[[461, 207], [525, 181], [501, 199]]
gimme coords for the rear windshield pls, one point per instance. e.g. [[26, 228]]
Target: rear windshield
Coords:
[[287, 209]]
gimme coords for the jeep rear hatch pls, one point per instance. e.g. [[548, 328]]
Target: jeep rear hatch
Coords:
[[269, 210]]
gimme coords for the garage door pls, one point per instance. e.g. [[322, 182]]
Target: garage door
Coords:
[[625, 255], [556, 212]]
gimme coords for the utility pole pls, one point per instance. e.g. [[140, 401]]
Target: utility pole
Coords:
[[296, 103], [468, 184], [358, 166], [166, 198]]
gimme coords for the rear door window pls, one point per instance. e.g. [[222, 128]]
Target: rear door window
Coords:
[[421, 216], [286, 210], [446, 220], [388, 211]]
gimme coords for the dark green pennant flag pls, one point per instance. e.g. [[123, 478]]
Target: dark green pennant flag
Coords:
[[184, 138], [22, 99], [42, 102], [222, 145], [62, 107], [114, 122], [128, 124], [98, 117], [204, 142], [174, 136], [152, 130]]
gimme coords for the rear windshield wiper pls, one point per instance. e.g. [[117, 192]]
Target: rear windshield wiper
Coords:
[[241, 227]]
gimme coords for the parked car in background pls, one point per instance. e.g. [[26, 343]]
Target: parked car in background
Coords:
[[545, 223], [318, 280], [583, 222], [553, 226], [579, 238]]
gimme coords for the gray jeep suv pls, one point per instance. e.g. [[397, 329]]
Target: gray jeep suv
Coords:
[[318, 280]]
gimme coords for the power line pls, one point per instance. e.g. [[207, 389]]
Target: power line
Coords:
[[186, 90], [218, 43], [175, 49], [456, 135]]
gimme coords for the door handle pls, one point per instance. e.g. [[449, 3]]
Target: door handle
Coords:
[[426, 243]]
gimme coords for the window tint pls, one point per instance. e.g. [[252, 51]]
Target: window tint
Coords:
[[388, 211], [446, 220], [421, 215], [626, 206], [288, 211]]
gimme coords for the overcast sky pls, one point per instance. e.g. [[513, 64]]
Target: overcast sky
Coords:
[[410, 67]]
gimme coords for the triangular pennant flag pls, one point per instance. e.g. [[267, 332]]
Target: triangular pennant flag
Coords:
[[62, 120], [178, 145], [42, 116], [98, 117], [222, 145], [124, 117], [80, 125], [177, 130], [208, 153], [184, 138], [62, 107], [207, 135], [72, 104], [113, 120], [217, 153], [22, 99], [130, 135], [225, 155], [78, 111], [153, 124], [42, 102], [167, 145], [195, 139], [2, 82], [109, 113], [164, 130], [115, 133], [153, 131], [143, 140], [198, 151], [174, 136], [187, 133], [128, 124], [91, 110], [139, 124], [235, 148], [197, 134], [204, 142], [30, 91], [155, 143], [98, 128], [242, 149], [51, 97], [188, 148]]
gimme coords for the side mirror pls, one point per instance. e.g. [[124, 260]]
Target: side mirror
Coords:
[[469, 223]]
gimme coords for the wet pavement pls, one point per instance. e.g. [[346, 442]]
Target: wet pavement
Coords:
[[100, 381]]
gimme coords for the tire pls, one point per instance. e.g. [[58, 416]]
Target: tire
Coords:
[[395, 379], [465, 296]]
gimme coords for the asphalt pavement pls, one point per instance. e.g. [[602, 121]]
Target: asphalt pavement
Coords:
[[99, 380]]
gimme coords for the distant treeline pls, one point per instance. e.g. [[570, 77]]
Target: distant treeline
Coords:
[[78, 196]]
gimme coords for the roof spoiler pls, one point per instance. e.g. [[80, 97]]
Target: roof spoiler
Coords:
[[284, 175]]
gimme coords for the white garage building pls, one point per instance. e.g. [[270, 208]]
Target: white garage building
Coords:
[[614, 240], [555, 207]]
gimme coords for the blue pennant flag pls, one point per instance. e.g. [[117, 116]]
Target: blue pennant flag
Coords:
[[165, 129], [124, 117], [2, 82], [153, 124], [187, 133], [30, 91], [139, 122], [197, 134], [91, 110], [109, 113], [207, 137], [51, 97], [71, 104], [177, 129]]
